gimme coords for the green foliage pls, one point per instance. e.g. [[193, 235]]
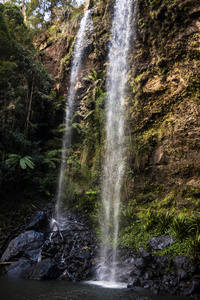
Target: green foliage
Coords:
[[181, 227], [51, 158], [152, 219], [194, 246], [194, 224], [165, 220], [128, 214], [15, 161], [88, 202], [27, 113], [15, 21], [155, 3]]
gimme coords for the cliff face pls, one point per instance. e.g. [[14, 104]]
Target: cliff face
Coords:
[[163, 114], [164, 117]]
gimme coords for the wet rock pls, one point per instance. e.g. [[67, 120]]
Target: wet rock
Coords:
[[27, 244], [159, 157], [142, 298], [134, 282], [45, 269], [39, 221], [144, 254], [140, 263], [191, 288], [184, 266], [17, 267], [150, 285], [163, 261], [159, 243], [66, 276]]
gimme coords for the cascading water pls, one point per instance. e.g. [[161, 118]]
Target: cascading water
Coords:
[[81, 43], [114, 154]]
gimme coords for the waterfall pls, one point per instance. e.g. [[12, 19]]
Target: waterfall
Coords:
[[115, 150], [81, 43]]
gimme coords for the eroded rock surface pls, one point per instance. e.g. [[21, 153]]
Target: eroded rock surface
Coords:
[[27, 244]]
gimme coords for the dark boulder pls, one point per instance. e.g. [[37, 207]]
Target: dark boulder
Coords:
[[39, 221], [192, 287], [140, 263], [133, 282], [144, 254], [27, 244], [142, 298], [150, 285], [17, 267], [184, 266], [45, 269], [162, 261], [159, 243]]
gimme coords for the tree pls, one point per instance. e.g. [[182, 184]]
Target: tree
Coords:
[[26, 111]]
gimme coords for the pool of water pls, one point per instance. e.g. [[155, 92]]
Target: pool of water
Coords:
[[12, 288]]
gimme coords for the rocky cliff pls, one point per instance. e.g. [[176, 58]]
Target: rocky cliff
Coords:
[[162, 104]]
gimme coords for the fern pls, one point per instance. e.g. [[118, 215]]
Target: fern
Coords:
[[15, 160]]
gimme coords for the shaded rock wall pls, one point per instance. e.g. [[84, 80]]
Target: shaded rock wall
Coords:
[[163, 127], [164, 103]]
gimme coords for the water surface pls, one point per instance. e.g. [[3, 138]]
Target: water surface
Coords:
[[12, 288]]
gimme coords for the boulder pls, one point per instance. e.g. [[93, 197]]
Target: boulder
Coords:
[[139, 263], [162, 261], [144, 254], [45, 269], [17, 267], [193, 287], [142, 298], [27, 244], [39, 221], [159, 243], [133, 282], [184, 266]]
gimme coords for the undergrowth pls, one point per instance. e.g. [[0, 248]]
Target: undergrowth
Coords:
[[183, 228]]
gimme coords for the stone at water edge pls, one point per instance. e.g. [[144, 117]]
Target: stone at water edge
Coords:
[[17, 267], [26, 244], [45, 269], [184, 265], [142, 298]]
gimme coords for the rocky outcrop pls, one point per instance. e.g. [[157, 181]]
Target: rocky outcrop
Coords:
[[27, 244], [160, 243], [162, 274], [45, 269], [71, 255], [67, 255]]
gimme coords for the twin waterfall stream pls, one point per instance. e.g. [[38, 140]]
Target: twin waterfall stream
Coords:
[[114, 155], [75, 69], [114, 163]]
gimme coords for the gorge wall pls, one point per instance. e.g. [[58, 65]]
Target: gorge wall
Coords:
[[163, 125]]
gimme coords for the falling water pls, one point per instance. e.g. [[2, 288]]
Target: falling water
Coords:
[[114, 153], [81, 42]]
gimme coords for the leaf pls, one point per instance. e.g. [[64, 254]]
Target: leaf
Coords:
[[47, 193], [25, 162], [22, 163], [88, 114]]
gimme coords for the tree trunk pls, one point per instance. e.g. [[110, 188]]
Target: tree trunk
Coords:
[[51, 13], [29, 112], [23, 10]]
